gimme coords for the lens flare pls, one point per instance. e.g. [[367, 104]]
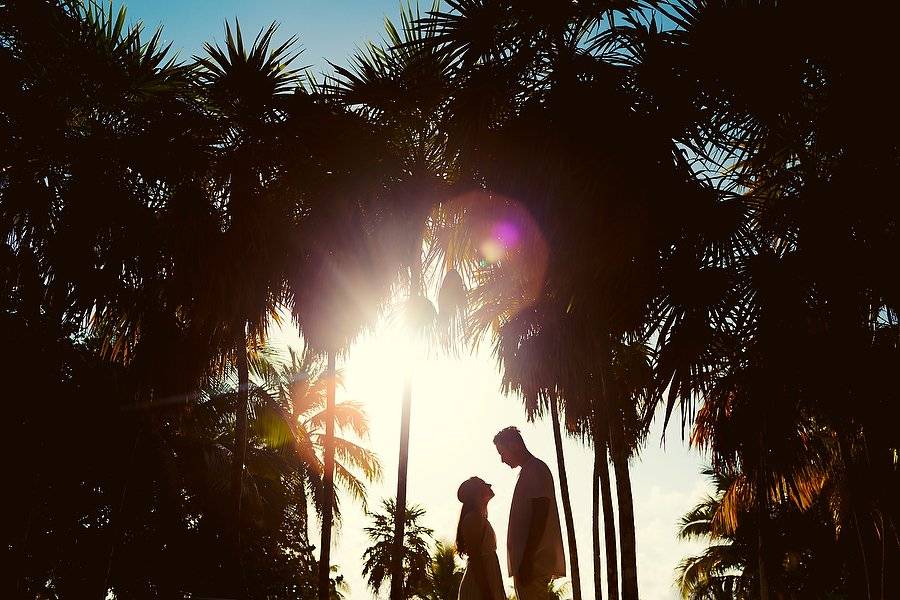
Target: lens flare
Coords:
[[506, 233], [505, 241], [492, 250]]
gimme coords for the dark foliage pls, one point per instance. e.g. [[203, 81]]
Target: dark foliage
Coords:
[[703, 195]]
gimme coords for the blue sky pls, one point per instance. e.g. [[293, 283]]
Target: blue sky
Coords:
[[457, 403], [327, 30]]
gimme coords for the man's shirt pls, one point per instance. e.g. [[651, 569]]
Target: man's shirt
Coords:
[[535, 481]]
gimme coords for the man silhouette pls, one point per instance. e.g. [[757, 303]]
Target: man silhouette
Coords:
[[533, 541]]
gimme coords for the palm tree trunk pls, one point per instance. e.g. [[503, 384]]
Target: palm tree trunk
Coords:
[[595, 526], [567, 504], [117, 515], [626, 511], [239, 455], [397, 583], [609, 520], [862, 556], [762, 518], [303, 514], [763, 570], [601, 466], [327, 484]]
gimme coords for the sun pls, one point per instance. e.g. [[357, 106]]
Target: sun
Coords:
[[381, 360]]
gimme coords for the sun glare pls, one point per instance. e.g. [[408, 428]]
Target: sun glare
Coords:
[[383, 358]]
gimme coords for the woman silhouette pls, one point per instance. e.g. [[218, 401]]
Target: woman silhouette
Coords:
[[475, 540]]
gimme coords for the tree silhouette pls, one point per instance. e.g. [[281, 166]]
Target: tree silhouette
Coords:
[[657, 205], [415, 559], [444, 573]]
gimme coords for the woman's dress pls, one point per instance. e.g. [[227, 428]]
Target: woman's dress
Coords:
[[482, 579]]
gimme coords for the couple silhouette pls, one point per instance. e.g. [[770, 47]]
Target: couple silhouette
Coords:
[[533, 540]]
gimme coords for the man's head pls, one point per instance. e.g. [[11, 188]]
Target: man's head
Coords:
[[511, 447]]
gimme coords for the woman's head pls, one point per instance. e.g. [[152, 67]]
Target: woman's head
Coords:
[[474, 494], [474, 491]]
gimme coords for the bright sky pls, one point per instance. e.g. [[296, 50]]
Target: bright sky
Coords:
[[457, 408], [457, 405]]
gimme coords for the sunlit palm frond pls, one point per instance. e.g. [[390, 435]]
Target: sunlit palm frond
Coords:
[[710, 576], [697, 523], [347, 415], [352, 484], [359, 459]]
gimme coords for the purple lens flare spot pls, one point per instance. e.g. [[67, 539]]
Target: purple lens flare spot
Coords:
[[506, 233]]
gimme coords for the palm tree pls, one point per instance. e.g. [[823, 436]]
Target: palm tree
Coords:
[[346, 260], [244, 86], [722, 570], [340, 274], [401, 88], [296, 415], [379, 557], [92, 265], [444, 573], [803, 546], [564, 491], [761, 268], [630, 384], [312, 199], [602, 494], [622, 393]]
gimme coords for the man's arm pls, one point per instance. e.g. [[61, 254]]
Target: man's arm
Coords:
[[540, 510]]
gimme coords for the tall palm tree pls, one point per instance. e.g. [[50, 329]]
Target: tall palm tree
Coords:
[[244, 86], [297, 416], [564, 492], [630, 384], [320, 193], [401, 86], [763, 259], [602, 496], [89, 106], [618, 401], [341, 273]]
